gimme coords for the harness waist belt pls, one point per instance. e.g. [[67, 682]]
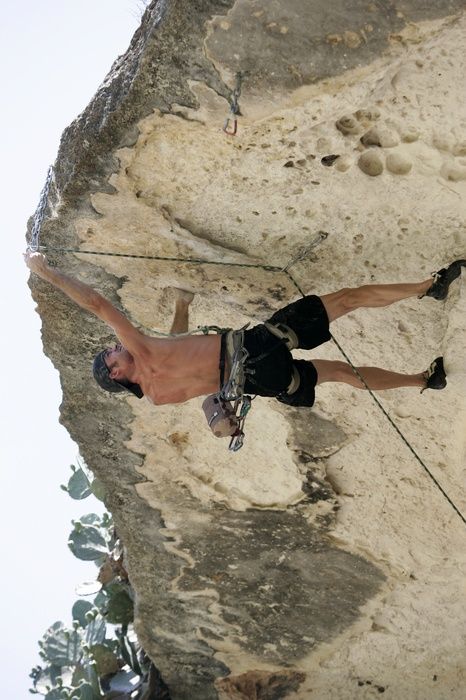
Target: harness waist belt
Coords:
[[232, 357]]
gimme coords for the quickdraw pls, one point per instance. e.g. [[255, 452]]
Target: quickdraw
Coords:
[[304, 252], [230, 125], [244, 406], [233, 389]]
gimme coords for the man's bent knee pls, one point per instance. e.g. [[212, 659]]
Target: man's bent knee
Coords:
[[339, 303], [332, 371]]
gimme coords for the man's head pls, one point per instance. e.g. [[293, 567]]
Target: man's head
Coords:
[[109, 369]]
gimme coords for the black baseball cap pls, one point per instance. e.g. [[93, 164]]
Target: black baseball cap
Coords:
[[102, 376]]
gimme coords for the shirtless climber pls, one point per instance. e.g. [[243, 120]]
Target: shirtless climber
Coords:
[[173, 370]]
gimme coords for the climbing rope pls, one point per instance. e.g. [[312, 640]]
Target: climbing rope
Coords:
[[319, 238], [196, 261]]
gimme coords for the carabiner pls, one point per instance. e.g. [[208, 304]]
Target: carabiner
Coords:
[[236, 442], [226, 126]]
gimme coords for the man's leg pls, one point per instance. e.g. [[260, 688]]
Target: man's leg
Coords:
[[375, 378], [370, 296], [180, 322]]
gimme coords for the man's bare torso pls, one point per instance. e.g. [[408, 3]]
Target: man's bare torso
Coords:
[[174, 370]]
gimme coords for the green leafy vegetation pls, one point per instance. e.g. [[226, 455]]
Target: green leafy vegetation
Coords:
[[99, 656]]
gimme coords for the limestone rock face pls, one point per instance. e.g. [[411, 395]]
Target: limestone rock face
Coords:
[[371, 163], [322, 559]]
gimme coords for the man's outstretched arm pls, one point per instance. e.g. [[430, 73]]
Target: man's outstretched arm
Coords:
[[81, 293], [87, 298]]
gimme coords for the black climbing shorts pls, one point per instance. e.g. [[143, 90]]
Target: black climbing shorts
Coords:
[[305, 394], [269, 367], [308, 318]]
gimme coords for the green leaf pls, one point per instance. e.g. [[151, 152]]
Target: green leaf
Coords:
[[56, 694], [90, 519], [79, 486], [98, 489], [88, 588], [87, 542], [101, 601], [95, 631], [107, 523], [105, 659], [85, 692], [120, 607], [92, 677], [62, 646], [44, 678], [79, 610], [125, 651]]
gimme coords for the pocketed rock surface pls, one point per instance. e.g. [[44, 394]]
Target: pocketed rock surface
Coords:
[[322, 560]]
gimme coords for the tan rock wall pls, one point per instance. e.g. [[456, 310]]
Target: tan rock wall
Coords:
[[320, 561]]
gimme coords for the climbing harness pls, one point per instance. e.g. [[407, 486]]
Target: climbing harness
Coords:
[[230, 125], [233, 403], [226, 411], [40, 213], [234, 353]]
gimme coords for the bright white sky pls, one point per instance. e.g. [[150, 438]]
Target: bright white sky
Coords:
[[53, 56]]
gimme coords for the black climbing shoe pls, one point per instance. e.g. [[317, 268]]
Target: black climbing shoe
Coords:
[[435, 376], [443, 278]]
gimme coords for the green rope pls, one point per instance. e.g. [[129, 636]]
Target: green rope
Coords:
[[321, 236], [196, 261]]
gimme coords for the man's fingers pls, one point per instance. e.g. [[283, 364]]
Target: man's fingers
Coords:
[[34, 260]]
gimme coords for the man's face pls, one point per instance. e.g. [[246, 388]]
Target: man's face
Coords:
[[117, 359]]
